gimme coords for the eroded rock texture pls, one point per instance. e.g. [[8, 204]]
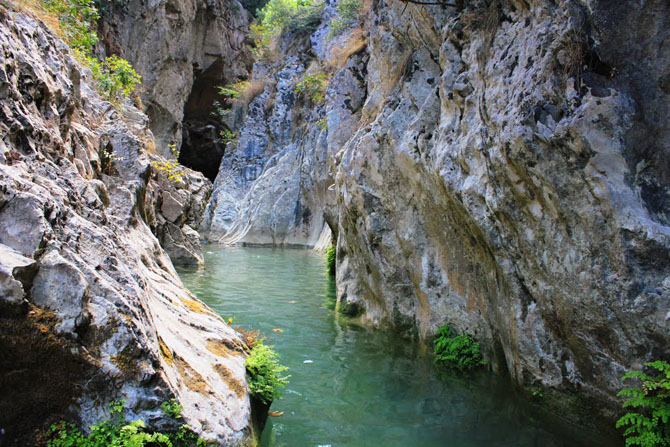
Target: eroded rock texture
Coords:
[[500, 166], [91, 309], [183, 49], [510, 178]]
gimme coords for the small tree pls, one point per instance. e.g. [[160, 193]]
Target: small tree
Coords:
[[649, 424]]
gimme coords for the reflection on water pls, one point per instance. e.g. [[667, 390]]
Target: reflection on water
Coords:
[[362, 388]]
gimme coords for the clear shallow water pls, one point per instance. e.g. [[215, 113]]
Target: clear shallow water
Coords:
[[364, 388]]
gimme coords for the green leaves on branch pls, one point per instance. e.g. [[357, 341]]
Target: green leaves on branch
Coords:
[[115, 76], [277, 16], [459, 352], [78, 19], [313, 87], [116, 432], [265, 373], [649, 424]]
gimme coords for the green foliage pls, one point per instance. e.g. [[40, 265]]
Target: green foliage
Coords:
[[115, 76], [171, 168], [265, 372], [649, 424], [227, 136], [323, 123], [313, 87], [253, 6], [300, 16], [116, 432], [348, 11], [330, 259], [77, 19], [172, 408], [456, 351]]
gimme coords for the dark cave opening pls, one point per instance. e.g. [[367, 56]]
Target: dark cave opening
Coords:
[[202, 148]]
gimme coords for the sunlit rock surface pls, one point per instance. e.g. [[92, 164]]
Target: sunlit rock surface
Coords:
[[91, 309], [501, 167]]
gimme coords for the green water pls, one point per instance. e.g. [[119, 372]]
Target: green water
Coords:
[[363, 388]]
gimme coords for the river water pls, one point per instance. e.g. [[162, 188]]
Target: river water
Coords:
[[352, 386]]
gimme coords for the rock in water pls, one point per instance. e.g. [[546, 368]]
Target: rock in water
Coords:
[[91, 308]]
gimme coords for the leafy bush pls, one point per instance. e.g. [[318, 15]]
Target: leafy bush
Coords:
[[649, 425], [264, 372], [313, 87], [277, 16], [115, 76], [456, 351], [77, 20], [348, 11], [172, 408], [116, 432], [331, 253]]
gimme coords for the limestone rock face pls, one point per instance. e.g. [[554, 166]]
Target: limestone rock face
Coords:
[[183, 49], [509, 178], [275, 185], [273, 181], [90, 303], [500, 166]]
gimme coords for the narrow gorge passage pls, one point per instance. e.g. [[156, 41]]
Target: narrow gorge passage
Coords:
[[364, 387]]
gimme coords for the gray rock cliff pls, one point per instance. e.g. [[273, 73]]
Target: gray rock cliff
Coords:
[[91, 308], [498, 166]]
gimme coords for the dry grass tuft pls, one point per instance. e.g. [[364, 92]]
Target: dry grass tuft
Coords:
[[36, 9], [250, 338]]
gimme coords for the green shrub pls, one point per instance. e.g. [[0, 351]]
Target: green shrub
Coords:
[[331, 253], [115, 77], [649, 424], [348, 11], [264, 373], [277, 16], [456, 351], [172, 408], [312, 87], [77, 19], [116, 432]]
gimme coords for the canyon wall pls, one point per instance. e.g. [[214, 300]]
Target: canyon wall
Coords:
[[183, 49], [91, 308], [498, 166]]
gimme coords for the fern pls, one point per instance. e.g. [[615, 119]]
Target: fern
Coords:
[[454, 351], [649, 424]]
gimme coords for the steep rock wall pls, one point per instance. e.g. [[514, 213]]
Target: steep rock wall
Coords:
[[91, 309], [499, 166], [509, 179], [175, 45]]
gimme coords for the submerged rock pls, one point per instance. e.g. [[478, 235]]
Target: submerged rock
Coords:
[[91, 308]]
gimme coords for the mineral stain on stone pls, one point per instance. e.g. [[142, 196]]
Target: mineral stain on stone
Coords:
[[230, 380]]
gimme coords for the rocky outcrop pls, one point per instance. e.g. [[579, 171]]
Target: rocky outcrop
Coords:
[[183, 49], [275, 184], [91, 309], [174, 209], [510, 179], [272, 181], [499, 166]]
